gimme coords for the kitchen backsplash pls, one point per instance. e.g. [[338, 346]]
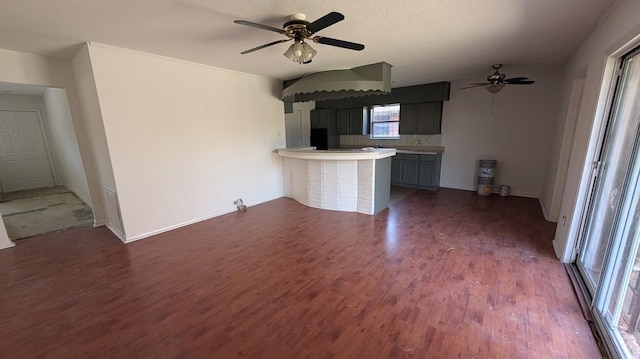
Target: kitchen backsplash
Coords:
[[404, 140]]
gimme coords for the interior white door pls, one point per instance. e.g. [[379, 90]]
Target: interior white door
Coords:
[[24, 162], [293, 128]]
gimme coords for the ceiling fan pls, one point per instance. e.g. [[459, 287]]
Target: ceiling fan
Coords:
[[299, 30], [497, 81]]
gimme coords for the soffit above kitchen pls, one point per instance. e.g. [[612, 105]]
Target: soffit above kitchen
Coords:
[[426, 41]]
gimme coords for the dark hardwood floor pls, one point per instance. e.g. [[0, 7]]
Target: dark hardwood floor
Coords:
[[445, 274]]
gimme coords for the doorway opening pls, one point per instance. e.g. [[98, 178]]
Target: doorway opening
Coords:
[[42, 180]]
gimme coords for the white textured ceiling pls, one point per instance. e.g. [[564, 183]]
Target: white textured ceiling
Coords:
[[425, 40]]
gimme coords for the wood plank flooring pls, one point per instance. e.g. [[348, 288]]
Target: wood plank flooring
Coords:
[[444, 274]]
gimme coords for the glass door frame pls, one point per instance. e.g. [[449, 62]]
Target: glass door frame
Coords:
[[616, 256], [595, 177], [600, 298]]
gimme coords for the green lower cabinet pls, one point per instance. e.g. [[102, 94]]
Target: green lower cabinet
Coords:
[[416, 171], [396, 169], [410, 169], [427, 174]]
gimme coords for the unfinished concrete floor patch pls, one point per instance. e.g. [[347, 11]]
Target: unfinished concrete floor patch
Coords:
[[45, 213], [32, 193]]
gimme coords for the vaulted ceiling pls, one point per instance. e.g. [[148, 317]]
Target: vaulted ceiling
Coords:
[[425, 40]]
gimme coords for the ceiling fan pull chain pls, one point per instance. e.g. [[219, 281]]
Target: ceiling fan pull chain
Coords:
[[493, 101]]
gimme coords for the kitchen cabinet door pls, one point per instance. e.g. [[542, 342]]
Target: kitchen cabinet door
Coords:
[[416, 171], [396, 168], [430, 171], [349, 121], [427, 176], [323, 118], [410, 169], [421, 118], [408, 118], [343, 118], [356, 117], [429, 118]]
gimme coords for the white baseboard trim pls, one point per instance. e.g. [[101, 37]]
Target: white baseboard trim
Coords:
[[99, 223], [114, 230], [495, 191], [175, 226], [558, 251], [456, 186], [545, 212], [522, 194], [7, 244], [118, 234]]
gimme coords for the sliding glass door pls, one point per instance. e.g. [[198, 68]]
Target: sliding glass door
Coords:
[[619, 304], [610, 175], [608, 253]]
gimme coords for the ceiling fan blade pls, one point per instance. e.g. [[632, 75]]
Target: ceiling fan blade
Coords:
[[338, 43], [477, 84], [325, 21], [259, 26], [516, 79], [521, 82], [265, 45]]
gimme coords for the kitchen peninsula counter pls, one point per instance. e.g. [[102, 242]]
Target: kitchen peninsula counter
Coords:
[[351, 180], [405, 149]]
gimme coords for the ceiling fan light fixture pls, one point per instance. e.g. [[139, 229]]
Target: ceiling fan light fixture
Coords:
[[300, 52], [494, 88]]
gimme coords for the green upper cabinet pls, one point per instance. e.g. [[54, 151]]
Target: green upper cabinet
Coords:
[[357, 121], [408, 118], [343, 118], [420, 118], [323, 118], [350, 121]]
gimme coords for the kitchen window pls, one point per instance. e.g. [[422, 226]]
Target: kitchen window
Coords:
[[385, 121]]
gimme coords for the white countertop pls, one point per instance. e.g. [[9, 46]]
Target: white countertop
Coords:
[[337, 154]]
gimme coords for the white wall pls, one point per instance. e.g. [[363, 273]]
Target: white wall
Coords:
[[96, 140], [515, 127], [185, 140], [615, 34], [63, 142], [557, 165], [29, 69]]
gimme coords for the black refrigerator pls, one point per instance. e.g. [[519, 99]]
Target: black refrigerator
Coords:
[[320, 138]]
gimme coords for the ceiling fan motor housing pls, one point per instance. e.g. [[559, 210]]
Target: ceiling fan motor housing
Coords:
[[296, 29], [496, 77]]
